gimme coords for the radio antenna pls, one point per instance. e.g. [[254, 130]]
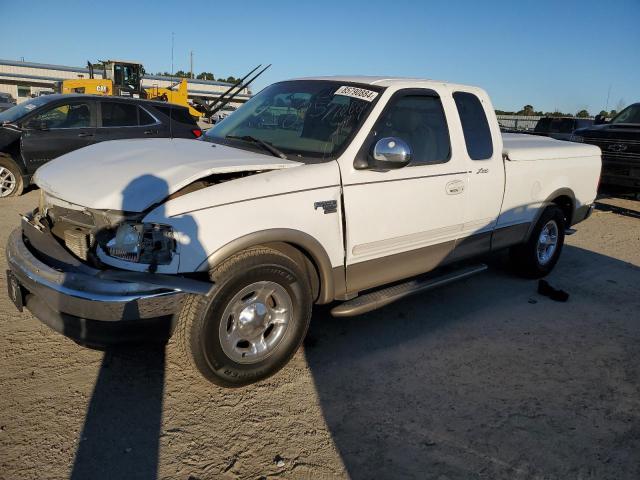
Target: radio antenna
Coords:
[[172, 80]]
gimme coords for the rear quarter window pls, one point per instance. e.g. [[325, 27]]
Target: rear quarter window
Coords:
[[180, 115], [477, 135]]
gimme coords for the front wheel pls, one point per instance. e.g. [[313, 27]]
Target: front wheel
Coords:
[[537, 257], [252, 324]]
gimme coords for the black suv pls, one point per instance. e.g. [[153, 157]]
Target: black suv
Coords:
[[619, 140], [560, 128], [43, 128]]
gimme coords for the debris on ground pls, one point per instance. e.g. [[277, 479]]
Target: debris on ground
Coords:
[[544, 288]]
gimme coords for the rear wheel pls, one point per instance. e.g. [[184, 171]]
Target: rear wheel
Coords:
[[537, 257], [11, 182], [252, 324]]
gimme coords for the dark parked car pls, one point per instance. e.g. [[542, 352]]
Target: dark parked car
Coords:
[[560, 128], [43, 128], [6, 101], [619, 140]]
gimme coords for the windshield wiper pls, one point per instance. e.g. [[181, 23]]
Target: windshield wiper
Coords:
[[267, 146]]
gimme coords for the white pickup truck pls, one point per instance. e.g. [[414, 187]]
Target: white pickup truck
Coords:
[[352, 190]]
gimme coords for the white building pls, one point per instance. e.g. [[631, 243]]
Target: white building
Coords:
[[26, 79]]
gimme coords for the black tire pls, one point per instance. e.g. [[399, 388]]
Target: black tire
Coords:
[[18, 187], [198, 329], [525, 257]]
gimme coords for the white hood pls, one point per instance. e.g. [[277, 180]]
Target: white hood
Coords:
[[132, 175]]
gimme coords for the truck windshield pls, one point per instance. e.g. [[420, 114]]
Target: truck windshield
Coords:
[[631, 114], [17, 112], [312, 119]]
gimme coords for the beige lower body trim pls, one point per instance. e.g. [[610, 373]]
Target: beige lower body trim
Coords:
[[391, 268], [507, 236], [380, 271]]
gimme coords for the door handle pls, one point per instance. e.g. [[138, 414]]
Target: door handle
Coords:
[[149, 132], [455, 187], [85, 134]]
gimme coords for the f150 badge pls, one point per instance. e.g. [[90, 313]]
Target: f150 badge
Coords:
[[329, 206]]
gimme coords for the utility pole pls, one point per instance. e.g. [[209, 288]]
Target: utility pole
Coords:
[[191, 63]]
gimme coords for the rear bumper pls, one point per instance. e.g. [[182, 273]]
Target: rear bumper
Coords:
[[582, 213], [93, 307]]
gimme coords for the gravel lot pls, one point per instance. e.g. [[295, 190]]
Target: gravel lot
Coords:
[[480, 379]]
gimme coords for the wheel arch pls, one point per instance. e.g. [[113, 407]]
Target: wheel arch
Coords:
[[286, 240], [17, 161], [564, 198]]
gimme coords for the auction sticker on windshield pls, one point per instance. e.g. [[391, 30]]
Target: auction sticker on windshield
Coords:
[[356, 92]]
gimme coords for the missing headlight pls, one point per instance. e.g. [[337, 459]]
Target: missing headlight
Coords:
[[146, 243]]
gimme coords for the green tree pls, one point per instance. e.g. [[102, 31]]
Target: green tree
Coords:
[[527, 110], [613, 113], [603, 113], [205, 76], [582, 114]]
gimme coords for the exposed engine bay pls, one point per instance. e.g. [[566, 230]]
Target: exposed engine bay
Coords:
[[122, 235]]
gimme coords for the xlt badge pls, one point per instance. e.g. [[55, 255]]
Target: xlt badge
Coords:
[[329, 206]]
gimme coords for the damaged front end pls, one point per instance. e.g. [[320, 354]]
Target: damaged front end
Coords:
[[90, 234], [111, 237], [54, 272]]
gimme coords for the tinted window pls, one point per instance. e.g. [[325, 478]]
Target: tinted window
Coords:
[[418, 120], [181, 115], [630, 114], [146, 118], [475, 127], [115, 114], [75, 115], [14, 113]]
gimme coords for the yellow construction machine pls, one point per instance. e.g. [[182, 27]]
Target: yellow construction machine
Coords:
[[124, 78]]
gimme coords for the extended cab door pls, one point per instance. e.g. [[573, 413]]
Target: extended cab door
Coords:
[[121, 120], [403, 222], [483, 157], [57, 130]]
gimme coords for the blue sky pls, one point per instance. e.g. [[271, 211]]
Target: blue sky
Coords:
[[551, 54]]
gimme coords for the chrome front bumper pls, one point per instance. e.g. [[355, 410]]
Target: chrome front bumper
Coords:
[[89, 305]]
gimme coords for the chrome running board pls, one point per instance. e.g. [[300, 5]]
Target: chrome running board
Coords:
[[380, 298]]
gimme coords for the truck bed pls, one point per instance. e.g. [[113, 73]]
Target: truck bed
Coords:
[[522, 147]]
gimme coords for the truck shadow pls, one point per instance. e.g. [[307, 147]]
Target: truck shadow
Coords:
[[121, 433], [483, 378], [120, 437], [625, 212]]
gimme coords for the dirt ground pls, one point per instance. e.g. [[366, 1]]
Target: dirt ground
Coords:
[[480, 379]]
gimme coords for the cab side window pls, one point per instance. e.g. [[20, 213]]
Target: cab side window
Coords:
[[419, 120], [477, 135], [74, 115]]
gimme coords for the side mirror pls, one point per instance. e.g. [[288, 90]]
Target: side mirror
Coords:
[[37, 125], [599, 120], [388, 153]]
